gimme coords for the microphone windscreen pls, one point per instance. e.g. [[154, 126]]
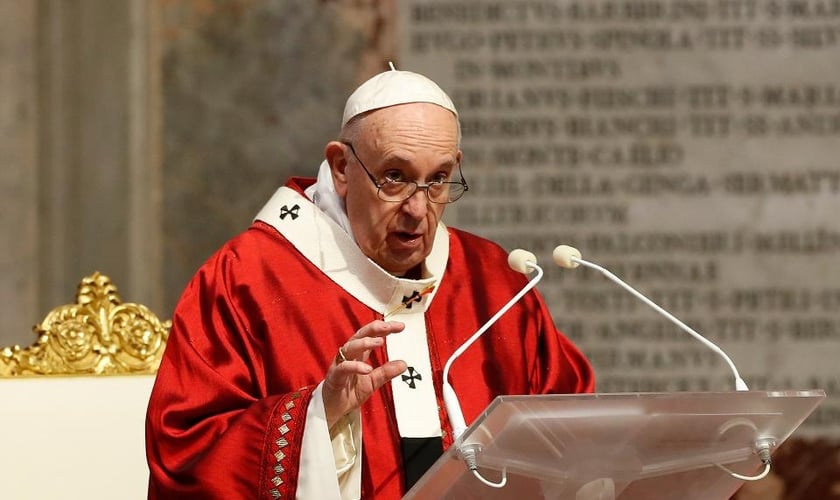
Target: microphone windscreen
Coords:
[[518, 260], [563, 256]]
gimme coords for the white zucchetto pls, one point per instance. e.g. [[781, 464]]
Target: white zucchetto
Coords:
[[393, 87]]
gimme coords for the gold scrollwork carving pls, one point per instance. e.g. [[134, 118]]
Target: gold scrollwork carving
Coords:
[[96, 335]]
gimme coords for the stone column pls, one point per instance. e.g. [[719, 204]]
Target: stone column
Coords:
[[81, 175], [18, 168]]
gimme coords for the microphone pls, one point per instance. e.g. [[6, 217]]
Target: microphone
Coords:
[[519, 260], [570, 258]]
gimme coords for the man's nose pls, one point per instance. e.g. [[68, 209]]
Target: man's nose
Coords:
[[417, 204]]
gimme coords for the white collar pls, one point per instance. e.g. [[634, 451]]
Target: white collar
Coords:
[[322, 241], [323, 194]]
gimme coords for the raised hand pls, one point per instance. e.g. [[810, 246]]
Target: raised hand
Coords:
[[350, 380]]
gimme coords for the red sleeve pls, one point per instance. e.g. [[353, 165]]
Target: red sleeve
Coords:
[[212, 429]]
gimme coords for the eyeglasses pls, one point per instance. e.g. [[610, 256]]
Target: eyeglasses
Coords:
[[398, 191]]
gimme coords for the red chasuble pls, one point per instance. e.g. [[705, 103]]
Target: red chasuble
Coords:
[[260, 323]]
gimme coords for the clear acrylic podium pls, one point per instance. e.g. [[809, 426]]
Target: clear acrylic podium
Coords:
[[635, 446]]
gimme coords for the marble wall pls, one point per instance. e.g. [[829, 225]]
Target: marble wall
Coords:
[[252, 92]]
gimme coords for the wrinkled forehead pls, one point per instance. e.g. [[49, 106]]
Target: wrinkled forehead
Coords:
[[411, 126]]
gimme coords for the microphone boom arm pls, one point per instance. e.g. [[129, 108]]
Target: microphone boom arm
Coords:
[[453, 407], [740, 385]]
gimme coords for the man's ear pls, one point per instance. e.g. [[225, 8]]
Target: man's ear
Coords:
[[337, 159]]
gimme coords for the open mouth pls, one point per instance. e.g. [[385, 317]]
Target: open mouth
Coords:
[[407, 237]]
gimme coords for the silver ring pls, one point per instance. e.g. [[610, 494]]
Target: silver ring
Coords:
[[341, 357]]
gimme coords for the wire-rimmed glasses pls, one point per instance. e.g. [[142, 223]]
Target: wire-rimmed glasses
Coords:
[[398, 191]]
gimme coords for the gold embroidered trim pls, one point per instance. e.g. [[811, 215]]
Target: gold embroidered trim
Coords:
[[409, 301]]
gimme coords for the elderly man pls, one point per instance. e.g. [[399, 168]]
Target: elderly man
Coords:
[[306, 355]]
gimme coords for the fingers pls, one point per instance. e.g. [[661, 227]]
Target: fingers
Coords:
[[350, 380], [379, 328], [347, 369], [349, 384], [388, 371], [378, 376], [358, 349], [367, 338]]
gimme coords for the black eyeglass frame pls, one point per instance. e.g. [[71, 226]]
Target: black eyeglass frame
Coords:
[[425, 187]]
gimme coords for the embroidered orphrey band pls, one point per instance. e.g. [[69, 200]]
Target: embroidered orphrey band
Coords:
[[282, 442]]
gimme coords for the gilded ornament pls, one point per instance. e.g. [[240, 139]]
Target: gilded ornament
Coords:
[[97, 335]]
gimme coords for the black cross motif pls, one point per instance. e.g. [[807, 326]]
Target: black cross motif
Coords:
[[409, 301], [411, 377], [285, 210]]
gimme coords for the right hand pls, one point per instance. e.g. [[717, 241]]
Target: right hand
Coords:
[[348, 384]]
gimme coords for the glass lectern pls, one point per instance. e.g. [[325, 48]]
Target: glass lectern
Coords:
[[635, 446]]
